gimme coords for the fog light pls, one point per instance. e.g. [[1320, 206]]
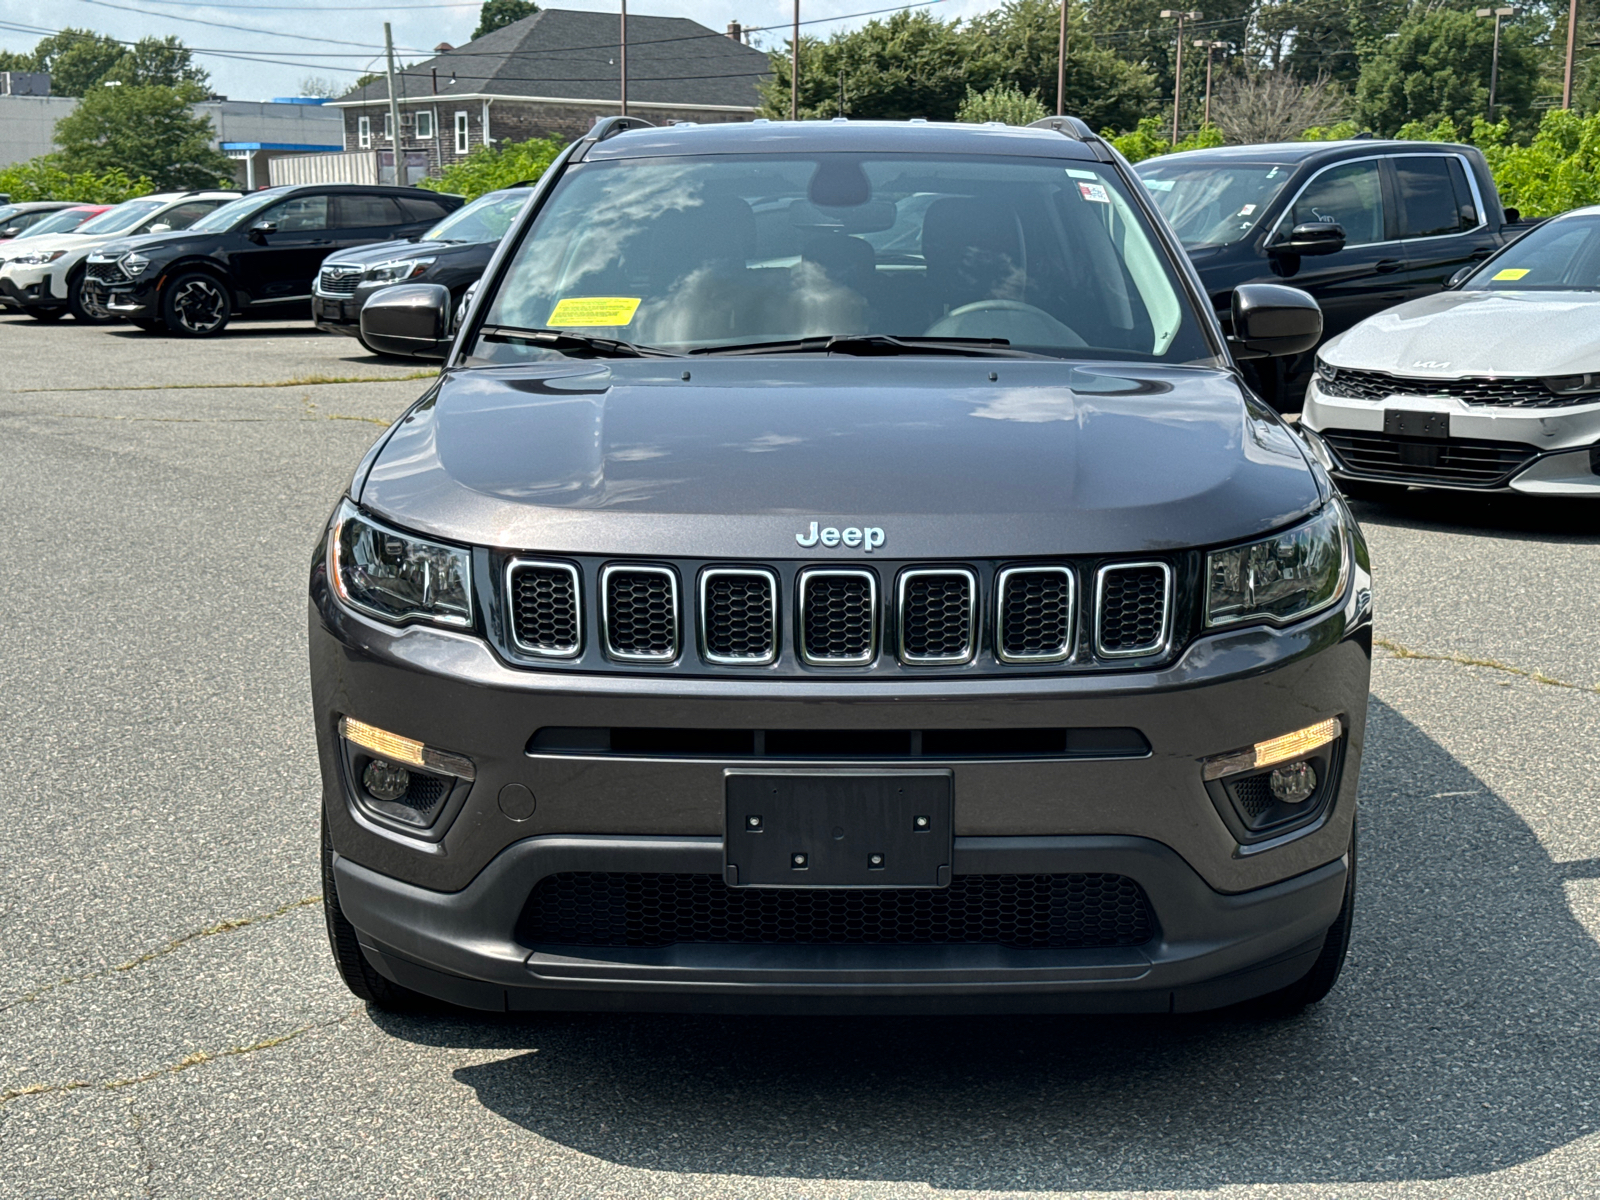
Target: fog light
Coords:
[[406, 750], [1275, 750], [1294, 783], [385, 781]]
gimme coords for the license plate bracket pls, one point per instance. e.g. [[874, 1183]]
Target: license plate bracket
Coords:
[[1401, 422], [850, 829]]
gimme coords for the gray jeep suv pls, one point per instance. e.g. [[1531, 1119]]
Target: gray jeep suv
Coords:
[[840, 570]]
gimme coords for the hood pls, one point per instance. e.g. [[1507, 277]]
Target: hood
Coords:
[[55, 241], [383, 251], [628, 457], [1453, 334], [145, 243]]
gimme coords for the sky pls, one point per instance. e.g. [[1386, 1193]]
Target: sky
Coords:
[[307, 34]]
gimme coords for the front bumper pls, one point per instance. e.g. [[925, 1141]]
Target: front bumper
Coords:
[[439, 911], [341, 314], [1562, 445], [133, 298], [28, 288]]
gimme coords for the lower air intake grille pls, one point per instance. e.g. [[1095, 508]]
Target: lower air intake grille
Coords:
[[1035, 614], [1133, 608], [105, 272], [936, 616], [838, 617], [1077, 911], [641, 609], [1458, 461], [544, 608], [738, 612]]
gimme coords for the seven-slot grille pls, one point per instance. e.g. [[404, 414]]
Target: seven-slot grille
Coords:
[[1133, 609], [1505, 392], [739, 616], [640, 610], [1032, 613], [1034, 618], [544, 604], [838, 617], [938, 616], [339, 281]]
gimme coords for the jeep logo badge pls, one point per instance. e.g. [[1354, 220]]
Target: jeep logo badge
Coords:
[[869, 539]]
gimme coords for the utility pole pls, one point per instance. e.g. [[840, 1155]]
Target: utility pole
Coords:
[[1180, 15], [794, 67], [622, 59], [394, 107], [1572, 42], [1494, 61], [841, 91], [1210, 48], [1061, 65]]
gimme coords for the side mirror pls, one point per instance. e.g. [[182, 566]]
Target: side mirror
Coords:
[[1460, 276], [1314, 237], [259, 233], [1513, 215], [1270, 321], [10, 231], [411, 319], [161, 227]]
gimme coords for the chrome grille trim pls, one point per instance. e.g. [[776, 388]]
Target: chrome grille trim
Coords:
[[901, 596], [1002, 582], [770, 578], [807, 577], [612, 652], [1159, 646], [338, 279], [572, 573]]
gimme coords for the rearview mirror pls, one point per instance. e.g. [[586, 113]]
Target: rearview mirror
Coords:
[[1270, 321], [1314, 237], [411, 319]]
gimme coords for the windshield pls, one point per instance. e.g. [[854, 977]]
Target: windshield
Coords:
[[65, 221], [486, 219], [1212, 203], [1560, 256], [723, 251], [220, 220], [124, 216], [7, 211]]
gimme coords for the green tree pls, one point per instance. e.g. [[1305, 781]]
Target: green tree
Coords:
[[497, 14], [491, 167], [12, 61], [143, 130], [910, 65], [76, 60], [43, 179], [1436, 67], [1004, 103], [1152, 138], [159, 62]]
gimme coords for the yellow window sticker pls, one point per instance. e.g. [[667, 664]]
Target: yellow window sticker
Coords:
[[594, 310], [1512, 273]]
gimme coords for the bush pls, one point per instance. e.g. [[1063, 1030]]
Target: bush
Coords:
[[1151, 139], [490, 167], [1004, 103], [44, 179]]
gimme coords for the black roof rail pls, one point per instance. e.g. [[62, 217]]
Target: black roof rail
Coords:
[[611, 126], [1071, 127]]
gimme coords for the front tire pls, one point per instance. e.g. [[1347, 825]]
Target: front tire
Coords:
[[358, 974], [84, 305], [196, 304]]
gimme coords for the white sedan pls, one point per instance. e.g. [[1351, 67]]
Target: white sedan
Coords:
[[1493, 385]]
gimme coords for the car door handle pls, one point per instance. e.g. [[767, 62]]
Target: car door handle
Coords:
[[1388, 265]]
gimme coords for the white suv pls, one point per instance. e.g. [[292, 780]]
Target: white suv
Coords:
[[45, 279]]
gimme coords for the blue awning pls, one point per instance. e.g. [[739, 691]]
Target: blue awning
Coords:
[[308, 149]]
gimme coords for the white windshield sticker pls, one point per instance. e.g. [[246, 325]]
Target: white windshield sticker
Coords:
[[1247, 210], [1095, 192], [1081, 174]]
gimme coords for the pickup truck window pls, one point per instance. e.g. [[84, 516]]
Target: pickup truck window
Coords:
[[1348, 195], [1431, 202]]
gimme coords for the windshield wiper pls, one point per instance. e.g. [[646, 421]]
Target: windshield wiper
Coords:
[[870, 345], [560, 339]]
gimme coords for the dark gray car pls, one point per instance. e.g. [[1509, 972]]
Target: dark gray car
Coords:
[[839, 569]]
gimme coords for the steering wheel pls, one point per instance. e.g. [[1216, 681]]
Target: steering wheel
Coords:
[[1010, 319]]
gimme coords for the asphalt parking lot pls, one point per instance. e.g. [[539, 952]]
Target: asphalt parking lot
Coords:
[[171, 1024]]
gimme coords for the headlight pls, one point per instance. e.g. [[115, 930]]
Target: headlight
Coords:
[[134, 263], [399, 577], [398, 271], [1326, 371], [1280, 578], [38, 258], [1573, 385]]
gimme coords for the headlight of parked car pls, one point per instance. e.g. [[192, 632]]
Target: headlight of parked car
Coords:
[[398, 270], [1573, 385], [38, 258], [1279, 578], [134, 263], [397, 576]]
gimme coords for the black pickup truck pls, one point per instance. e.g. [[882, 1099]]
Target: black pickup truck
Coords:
[[1362, 225]]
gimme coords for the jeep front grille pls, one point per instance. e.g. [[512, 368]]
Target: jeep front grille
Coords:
[[838, 617], [1035, 618], [640, 611], [545, 609], [938, 616], [739, 616], [1133, 603]]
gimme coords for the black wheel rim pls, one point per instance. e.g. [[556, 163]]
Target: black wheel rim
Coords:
[[199, 305]]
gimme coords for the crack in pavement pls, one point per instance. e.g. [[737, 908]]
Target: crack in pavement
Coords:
[[145, 1160], [186, 1063], [298, 381], [177, 943], [1463, 660]]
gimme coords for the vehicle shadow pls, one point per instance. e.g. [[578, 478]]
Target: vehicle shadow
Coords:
[[1559, 519], [1463, 1038]]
